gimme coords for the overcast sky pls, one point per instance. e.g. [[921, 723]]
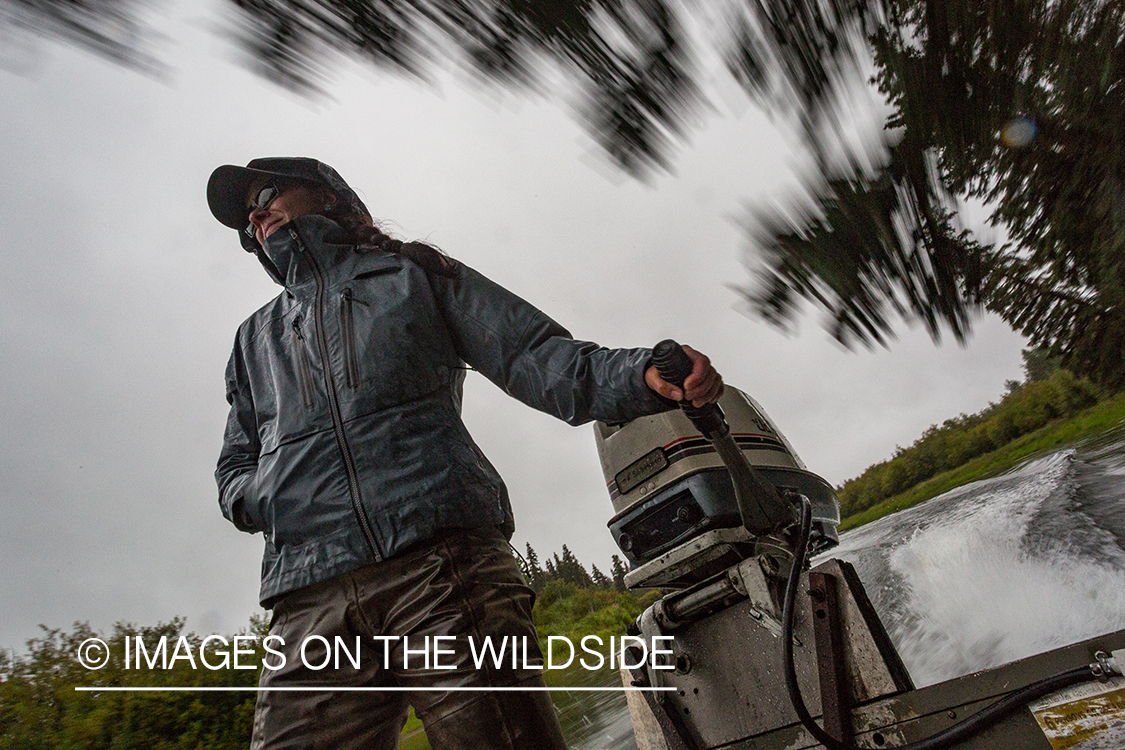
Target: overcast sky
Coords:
[[121, 294]]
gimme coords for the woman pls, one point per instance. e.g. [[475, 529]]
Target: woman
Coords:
[[385, 526]]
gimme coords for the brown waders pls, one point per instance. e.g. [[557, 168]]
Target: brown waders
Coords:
[[466, 585]]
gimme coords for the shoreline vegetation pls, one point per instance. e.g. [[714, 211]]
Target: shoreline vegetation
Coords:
[[1032, 418], [1091, 422], [40, 708]]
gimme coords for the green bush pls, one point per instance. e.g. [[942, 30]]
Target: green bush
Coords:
[[1025, 408]]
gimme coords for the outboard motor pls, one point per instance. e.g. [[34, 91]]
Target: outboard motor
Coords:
[[677, 517], [713, 505]]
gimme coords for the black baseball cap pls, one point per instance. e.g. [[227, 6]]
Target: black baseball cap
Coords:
[[229, 186]]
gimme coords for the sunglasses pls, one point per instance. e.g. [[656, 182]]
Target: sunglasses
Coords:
[[266, 195]]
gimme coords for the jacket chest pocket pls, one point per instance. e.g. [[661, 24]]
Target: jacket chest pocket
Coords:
[[348, 337], [288, 382], [305, 384], [391, 344]]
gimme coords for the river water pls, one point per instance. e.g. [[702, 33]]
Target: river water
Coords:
[[983, 575]]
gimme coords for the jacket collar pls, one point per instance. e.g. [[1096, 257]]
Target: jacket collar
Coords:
[[286, 253]]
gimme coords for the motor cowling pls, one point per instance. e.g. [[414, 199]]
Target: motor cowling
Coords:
[[670, 488]]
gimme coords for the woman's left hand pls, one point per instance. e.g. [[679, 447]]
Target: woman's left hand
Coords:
[[703, 386]]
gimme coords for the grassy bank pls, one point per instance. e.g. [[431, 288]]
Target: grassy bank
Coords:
[[1060, 432]]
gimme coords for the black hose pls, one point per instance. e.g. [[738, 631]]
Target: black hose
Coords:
[[946, 738]]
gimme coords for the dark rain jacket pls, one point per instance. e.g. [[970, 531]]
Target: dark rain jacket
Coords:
[[345, 445]]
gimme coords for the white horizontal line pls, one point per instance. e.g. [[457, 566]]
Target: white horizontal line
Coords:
[[353, 689]]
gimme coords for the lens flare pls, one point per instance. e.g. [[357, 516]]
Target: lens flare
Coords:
[[1018, 132]]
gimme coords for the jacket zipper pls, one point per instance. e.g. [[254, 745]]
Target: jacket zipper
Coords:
[[334, 407], [304, 371], [347, 327]]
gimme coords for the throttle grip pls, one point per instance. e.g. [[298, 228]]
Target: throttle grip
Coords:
[[674, 365]]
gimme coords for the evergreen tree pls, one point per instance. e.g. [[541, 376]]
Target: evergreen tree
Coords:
[[619, 570], [535, 575], [599, 578], [1021, 108], [572, 571]]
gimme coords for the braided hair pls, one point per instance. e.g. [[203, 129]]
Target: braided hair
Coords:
[[369, 236]]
